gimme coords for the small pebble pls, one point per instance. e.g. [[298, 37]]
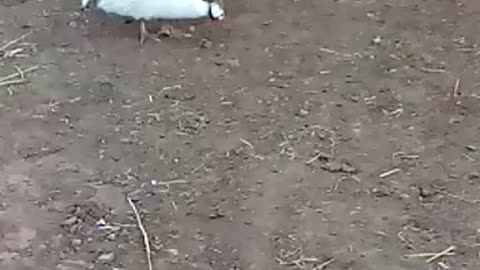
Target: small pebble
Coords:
[[106, 258], [303, 112], [205, 44], [70, 221], [232, 62], [77, 242], [377, 40], [471, 148], [173, 251], [474, 176], [112, 237]]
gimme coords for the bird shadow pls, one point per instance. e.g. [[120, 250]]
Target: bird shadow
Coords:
[[190, 33]]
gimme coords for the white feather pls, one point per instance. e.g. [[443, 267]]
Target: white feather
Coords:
[[85, 3], [156, 9]]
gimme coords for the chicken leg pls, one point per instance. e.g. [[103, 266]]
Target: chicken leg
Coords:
[[144, 34]]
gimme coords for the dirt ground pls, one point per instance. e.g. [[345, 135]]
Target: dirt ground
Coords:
[[300, 135]]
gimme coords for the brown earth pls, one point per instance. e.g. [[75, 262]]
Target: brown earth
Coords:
[[301, 135]]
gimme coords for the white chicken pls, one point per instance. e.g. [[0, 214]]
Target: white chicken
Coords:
[[144, 10]]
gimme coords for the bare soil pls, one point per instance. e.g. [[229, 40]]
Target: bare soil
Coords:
[[300, 135]]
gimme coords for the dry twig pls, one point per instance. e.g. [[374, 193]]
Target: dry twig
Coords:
[[11, 82], [427, 254], [431, 70], [144, 233], [171, 182], [10, 43], [323, 265], [339, 181], [20, 73], [249, 144], [388, 173], [441, 254], [12, 78], [320, 155], [460, 198], [456, 87]]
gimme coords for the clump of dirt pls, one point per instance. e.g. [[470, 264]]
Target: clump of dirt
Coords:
[[83, 218]]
